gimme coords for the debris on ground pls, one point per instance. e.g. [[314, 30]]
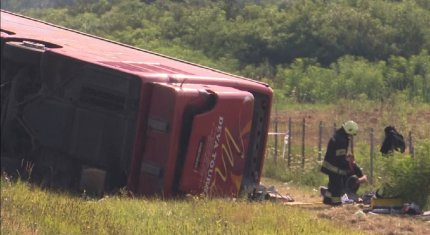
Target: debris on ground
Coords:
[[425, 216], [261, 193], [374, 204], [354, 214]]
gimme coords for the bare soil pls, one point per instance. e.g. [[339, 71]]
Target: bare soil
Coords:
[[351, 215]]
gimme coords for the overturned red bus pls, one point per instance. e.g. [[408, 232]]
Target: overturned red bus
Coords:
[[85, 113]]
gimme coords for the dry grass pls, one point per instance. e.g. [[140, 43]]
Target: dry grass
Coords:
[[26, 209], [350, 215]]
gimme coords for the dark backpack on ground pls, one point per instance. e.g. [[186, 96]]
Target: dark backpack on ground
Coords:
[[393, 141]]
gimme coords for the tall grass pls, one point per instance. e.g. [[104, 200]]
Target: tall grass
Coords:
[[26, 209], [308, 176]]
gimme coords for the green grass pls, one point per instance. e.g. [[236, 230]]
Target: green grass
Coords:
[[309, 176], [27, 209]]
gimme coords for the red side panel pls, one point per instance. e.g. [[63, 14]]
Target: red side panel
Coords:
[[161, 139], [215, 159], [216, 138]]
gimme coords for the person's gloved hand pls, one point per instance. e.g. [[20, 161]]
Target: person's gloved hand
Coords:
[[362, 179]]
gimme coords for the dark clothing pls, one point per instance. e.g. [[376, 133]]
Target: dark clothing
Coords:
[[335, 158], [337, 167], [393, 141]]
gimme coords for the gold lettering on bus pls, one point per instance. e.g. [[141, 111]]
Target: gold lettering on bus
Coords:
[[227, 154]]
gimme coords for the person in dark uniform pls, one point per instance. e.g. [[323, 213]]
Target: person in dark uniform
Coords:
[[339, 164]]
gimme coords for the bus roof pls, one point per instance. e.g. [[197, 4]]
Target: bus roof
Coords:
[[94, 49]]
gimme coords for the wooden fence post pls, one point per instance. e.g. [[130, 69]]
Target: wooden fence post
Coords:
[[285, 143], [320, 140], [411, 147], [290, 133], [371, 155], [275, 157], [303, 142]]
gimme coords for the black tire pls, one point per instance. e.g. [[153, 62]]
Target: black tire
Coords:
[[92, 181]]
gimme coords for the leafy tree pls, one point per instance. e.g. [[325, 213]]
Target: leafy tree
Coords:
[[357, 78], [312, 50]]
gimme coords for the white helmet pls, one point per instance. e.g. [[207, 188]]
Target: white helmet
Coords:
[[350, 127]]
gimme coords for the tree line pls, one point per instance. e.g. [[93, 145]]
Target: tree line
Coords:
[[310, 51]]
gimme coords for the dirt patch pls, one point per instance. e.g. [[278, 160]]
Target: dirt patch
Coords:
[[352, 215]]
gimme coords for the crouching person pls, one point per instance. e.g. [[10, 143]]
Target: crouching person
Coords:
[[339, 165]]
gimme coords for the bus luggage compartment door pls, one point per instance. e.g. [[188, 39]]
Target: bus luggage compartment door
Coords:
[[165, 134]]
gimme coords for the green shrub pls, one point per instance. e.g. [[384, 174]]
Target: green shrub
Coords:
[[409, 177]]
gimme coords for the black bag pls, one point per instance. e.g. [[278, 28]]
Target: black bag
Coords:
[[393, 141]]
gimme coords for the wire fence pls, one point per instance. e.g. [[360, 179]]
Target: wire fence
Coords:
[[302, 142]]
